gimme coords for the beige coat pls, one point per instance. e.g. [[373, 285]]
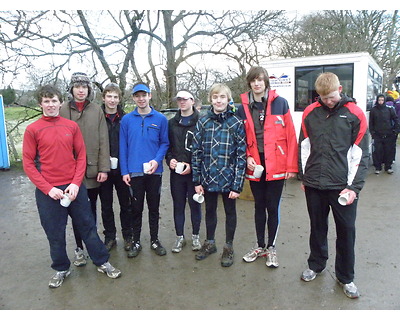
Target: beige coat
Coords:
[[93, 125]]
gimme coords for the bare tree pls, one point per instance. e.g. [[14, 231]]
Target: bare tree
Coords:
[[106, 42], [342, 31]]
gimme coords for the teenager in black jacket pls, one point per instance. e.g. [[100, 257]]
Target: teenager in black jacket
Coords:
[[180, 133]]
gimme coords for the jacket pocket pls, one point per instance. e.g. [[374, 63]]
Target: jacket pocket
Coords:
[[92, 167], [281, 156]]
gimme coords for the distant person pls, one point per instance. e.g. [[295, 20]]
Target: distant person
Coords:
[[333, 161], [92, 123], [54, 159], [384, 127], [144, 142], [180, 132], [396, 101], [272, 143], [114, 113], [218, 163]]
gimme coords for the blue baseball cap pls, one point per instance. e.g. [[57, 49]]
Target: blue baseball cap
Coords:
[[140, 87]]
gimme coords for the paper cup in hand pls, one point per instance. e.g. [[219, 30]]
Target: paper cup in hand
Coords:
[[114, 162], [343, 198], [146, 167], [65, 201], [179, 167], [258, 170], [198, 197]]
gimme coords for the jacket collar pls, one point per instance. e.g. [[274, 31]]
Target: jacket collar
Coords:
[[195, 117]]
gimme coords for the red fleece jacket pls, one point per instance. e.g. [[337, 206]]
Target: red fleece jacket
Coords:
[[54, 153]]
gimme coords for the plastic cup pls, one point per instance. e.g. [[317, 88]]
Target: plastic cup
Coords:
[[114, 162], [179, 167], [146, 167], [258, 170], [198, 197], [343, 198], [65, 201]]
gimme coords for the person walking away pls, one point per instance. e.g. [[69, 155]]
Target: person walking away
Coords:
[[91, 121], [180, 132], [113, 112], [333, 161], [54, 159], [218, 163], [143, 145], [271, 142]]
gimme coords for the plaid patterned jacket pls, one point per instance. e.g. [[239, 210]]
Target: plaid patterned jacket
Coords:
[[219, 152]]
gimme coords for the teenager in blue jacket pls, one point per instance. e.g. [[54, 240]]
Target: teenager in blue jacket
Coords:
[[144, 139]]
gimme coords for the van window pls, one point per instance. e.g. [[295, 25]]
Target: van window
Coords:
[[305, 93], [374, 87]]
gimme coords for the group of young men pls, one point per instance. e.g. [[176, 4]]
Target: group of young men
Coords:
[[68, 151]]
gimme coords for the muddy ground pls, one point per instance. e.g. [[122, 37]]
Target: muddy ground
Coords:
[[179, 282]]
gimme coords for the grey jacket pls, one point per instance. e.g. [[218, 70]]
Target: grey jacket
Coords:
[[93, 125]]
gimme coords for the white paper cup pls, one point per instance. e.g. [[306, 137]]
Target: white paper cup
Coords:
[[198, 197], [344, 198], [179, 167], [146, 167], [114, 162], [258, 170], [65, 201]]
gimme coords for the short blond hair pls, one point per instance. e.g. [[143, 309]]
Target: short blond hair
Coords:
[[327, 83], [217, 88]]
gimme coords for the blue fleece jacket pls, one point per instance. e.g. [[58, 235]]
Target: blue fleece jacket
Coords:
[[142, 138]]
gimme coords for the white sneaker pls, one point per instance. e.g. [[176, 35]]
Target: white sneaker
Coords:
[[350, 290], [254, 253], [196, 244], [80, 259], [108, 269], [58, 278], [180, 242], [272, 259]]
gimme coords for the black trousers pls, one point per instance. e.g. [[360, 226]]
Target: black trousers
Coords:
[[182, 191], [319, 203], [211, 200], [267, 198], [384, 151], [149, 187], [114, 180]]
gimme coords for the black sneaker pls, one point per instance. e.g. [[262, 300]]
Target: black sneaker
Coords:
[[135, 249], [227, 256], [110, 243], [158, 248], [206, 249]]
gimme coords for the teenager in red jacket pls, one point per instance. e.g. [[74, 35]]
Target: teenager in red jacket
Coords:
[[271, 142], [54, 158]]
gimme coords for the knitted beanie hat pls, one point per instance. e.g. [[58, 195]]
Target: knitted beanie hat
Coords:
[[80, 78]]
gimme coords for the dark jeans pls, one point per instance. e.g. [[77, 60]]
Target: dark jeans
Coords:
[[148, 186], [211, 200], [107, 213], [182, 190], [53, 218], [384, 151], [319, 203], [267, 198], [92, 195]]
